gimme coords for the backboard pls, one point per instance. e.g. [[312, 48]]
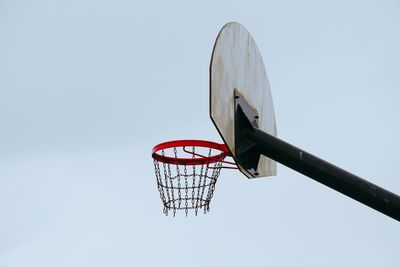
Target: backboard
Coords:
[[237, 70]]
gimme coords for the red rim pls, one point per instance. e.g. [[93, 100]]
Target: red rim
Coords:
[[190, 143]]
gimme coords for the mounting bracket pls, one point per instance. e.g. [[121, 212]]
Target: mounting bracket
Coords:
[[246, 119]]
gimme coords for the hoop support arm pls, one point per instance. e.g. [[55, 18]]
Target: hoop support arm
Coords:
[[251, 142], [325, 173]]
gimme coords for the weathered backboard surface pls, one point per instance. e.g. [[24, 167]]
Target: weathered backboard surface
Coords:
[[237, 67]]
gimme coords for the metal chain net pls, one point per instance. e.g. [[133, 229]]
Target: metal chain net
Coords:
[[186, 187]]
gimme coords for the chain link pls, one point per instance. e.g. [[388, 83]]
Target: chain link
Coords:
[[159, 184], [193, 178], [198, 197], [186, 189], [166, 186], [178, 175]]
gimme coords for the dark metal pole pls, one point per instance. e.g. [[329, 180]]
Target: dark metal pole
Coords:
[[326, 173]]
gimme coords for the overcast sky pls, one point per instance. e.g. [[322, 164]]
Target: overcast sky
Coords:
[[87, 88]]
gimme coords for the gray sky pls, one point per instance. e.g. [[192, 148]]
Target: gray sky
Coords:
[[88, 87]]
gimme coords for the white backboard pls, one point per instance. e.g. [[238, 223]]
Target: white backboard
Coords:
[[236, 64]]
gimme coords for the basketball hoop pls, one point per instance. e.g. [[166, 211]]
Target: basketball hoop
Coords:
[[242, 110], [187, 171]]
